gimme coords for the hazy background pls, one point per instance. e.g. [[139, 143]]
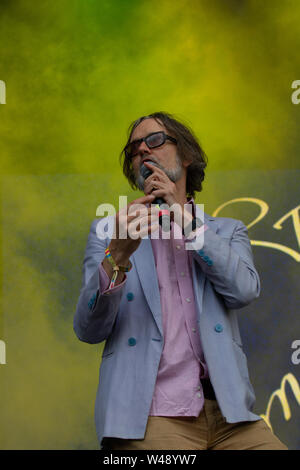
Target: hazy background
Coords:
[[77, 73]]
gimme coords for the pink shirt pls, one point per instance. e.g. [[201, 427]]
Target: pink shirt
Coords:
[[178, 390]]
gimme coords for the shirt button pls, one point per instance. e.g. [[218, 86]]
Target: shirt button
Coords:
[[178, 247], [188, 299], [193, 329], [199, 395], [199, 388], [182, 274]]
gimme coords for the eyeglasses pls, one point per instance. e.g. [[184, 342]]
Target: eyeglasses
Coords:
[[156, 139]]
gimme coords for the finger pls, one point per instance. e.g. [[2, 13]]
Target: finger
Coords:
[[147, 189], [150, 188], [140, 214], [148, 219], [155, 170], [141, 200], [135, 229], [143, 229], [155, 181], [158, 184], [152, 177], [149, 230], [149, 185], [143, 216], [153, 210], [154, 184], [158, 193], [151, 219]]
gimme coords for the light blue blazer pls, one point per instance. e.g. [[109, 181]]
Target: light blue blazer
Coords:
[[130, 320]]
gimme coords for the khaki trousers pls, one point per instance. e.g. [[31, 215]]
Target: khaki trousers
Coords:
[[207, 432]]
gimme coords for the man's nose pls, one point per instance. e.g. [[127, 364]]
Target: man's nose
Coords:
[[143, 148]]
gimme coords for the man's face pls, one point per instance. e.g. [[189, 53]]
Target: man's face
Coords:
[[165, 156]]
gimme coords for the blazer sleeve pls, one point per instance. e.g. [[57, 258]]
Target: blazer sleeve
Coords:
[[228, 264], [97, 308]]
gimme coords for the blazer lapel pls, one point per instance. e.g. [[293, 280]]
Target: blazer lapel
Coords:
[[198, 277], [145, 265]]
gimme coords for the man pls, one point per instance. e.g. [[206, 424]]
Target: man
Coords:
[[173, 373]]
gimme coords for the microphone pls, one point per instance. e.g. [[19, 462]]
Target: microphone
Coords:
[[164, 214]]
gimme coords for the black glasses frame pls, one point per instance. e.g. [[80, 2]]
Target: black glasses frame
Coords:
[[144, 139]]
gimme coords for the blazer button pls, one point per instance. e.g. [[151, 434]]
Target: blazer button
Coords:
[[132, 341], [218, 328], [130, 296], [201, 253], [209, 262], [206, 258]]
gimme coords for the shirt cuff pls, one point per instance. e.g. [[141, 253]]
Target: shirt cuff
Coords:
[[104, 281]]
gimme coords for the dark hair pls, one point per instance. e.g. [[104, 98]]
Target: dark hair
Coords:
[[188, 149]]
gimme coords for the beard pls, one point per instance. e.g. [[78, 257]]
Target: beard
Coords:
[[174, 174]]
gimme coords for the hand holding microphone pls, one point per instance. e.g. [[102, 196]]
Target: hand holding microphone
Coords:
[[166, 194], [152, 182]]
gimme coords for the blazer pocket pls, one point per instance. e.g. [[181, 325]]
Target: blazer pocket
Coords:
[[108, 348], [241, 359], [238, 343], [105, 355]]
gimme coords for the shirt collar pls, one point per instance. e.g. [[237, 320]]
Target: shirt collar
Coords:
[[191, 201]]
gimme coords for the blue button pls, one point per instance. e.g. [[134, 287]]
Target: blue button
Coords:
[[132, 341], [201, 253], [209, 262], [130, 296], [206, 258], [218, 328], [92, 301]]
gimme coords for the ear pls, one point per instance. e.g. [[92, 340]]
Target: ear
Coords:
[[186, 163]]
